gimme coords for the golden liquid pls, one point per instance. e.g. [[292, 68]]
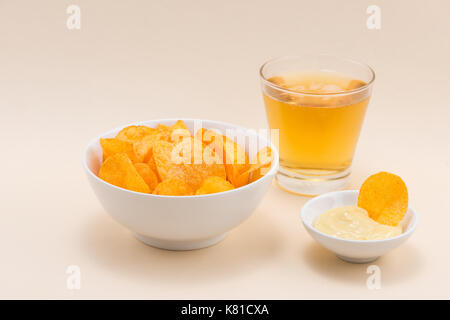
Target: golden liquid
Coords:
[[318, 134]]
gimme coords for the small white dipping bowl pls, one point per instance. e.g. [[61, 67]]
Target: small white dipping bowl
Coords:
[[179, 222], [355, 251]]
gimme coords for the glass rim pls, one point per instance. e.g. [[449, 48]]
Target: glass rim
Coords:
[[348, 92]]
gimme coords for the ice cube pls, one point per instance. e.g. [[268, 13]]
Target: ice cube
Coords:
[[355, 84], [316, 86], [331, 88]]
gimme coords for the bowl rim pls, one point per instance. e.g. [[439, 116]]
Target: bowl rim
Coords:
[[271, 172], [405, 234]]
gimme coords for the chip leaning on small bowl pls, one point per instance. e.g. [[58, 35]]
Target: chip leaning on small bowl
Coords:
[[180, 184], [359, 226]]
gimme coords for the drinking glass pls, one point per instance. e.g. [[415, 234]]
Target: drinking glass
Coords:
[[318, 104]]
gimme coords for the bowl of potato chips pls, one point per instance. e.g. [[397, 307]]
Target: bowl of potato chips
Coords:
[[180, 184]]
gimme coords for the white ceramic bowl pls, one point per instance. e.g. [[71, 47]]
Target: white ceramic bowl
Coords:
[[356, 251], [179, 222]]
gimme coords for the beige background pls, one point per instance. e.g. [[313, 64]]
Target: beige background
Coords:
[[141, 60]]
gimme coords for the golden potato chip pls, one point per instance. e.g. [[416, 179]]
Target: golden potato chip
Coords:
[[147, 174], [151, 163], [179, 125], [177, 161], [173, 187], [179, 131], [162, 154], [236, 162], [214, 184], [255, 175], [179, 135], [208, 136], [163, 130], [194, 174], [119, 171], [234, 156], [199, 134], [385, 197], [238, 179], [183, 152], [144, 147], [112, 146], [134, 133], [264, 159]]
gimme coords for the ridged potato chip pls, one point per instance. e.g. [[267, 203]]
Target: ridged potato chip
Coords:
[[147, 174], [234, 156], [173, 187], [176, 160], [264, 159], [119, 171], [385, 197], [151, 163], [112, 146], [144, 147], [194, 174], [214, 184], [255, 175], [134, 133], [178, 131], [162, 154]]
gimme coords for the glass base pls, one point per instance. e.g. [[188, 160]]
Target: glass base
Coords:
[[311, 185]]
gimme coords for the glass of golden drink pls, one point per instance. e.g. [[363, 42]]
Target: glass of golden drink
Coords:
[[318, 105]]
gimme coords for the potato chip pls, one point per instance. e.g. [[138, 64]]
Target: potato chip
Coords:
[[144, 147], [214, 184], [151, 163], [264, 159], [134, 133], [112, 146], [177, 161], [199, 134], [178, 131], [179, 125], [147, 174], [162, 154], [256, 175], [208, 136], [234, 156], [173, 187], [194, 174], [119, 171], [236, 163], [385, 197], [182, 151]]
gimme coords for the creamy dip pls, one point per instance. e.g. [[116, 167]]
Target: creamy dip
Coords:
[[354, 223]]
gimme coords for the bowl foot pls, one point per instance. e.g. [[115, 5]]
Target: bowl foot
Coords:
[[357, 260], [180, 245]]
